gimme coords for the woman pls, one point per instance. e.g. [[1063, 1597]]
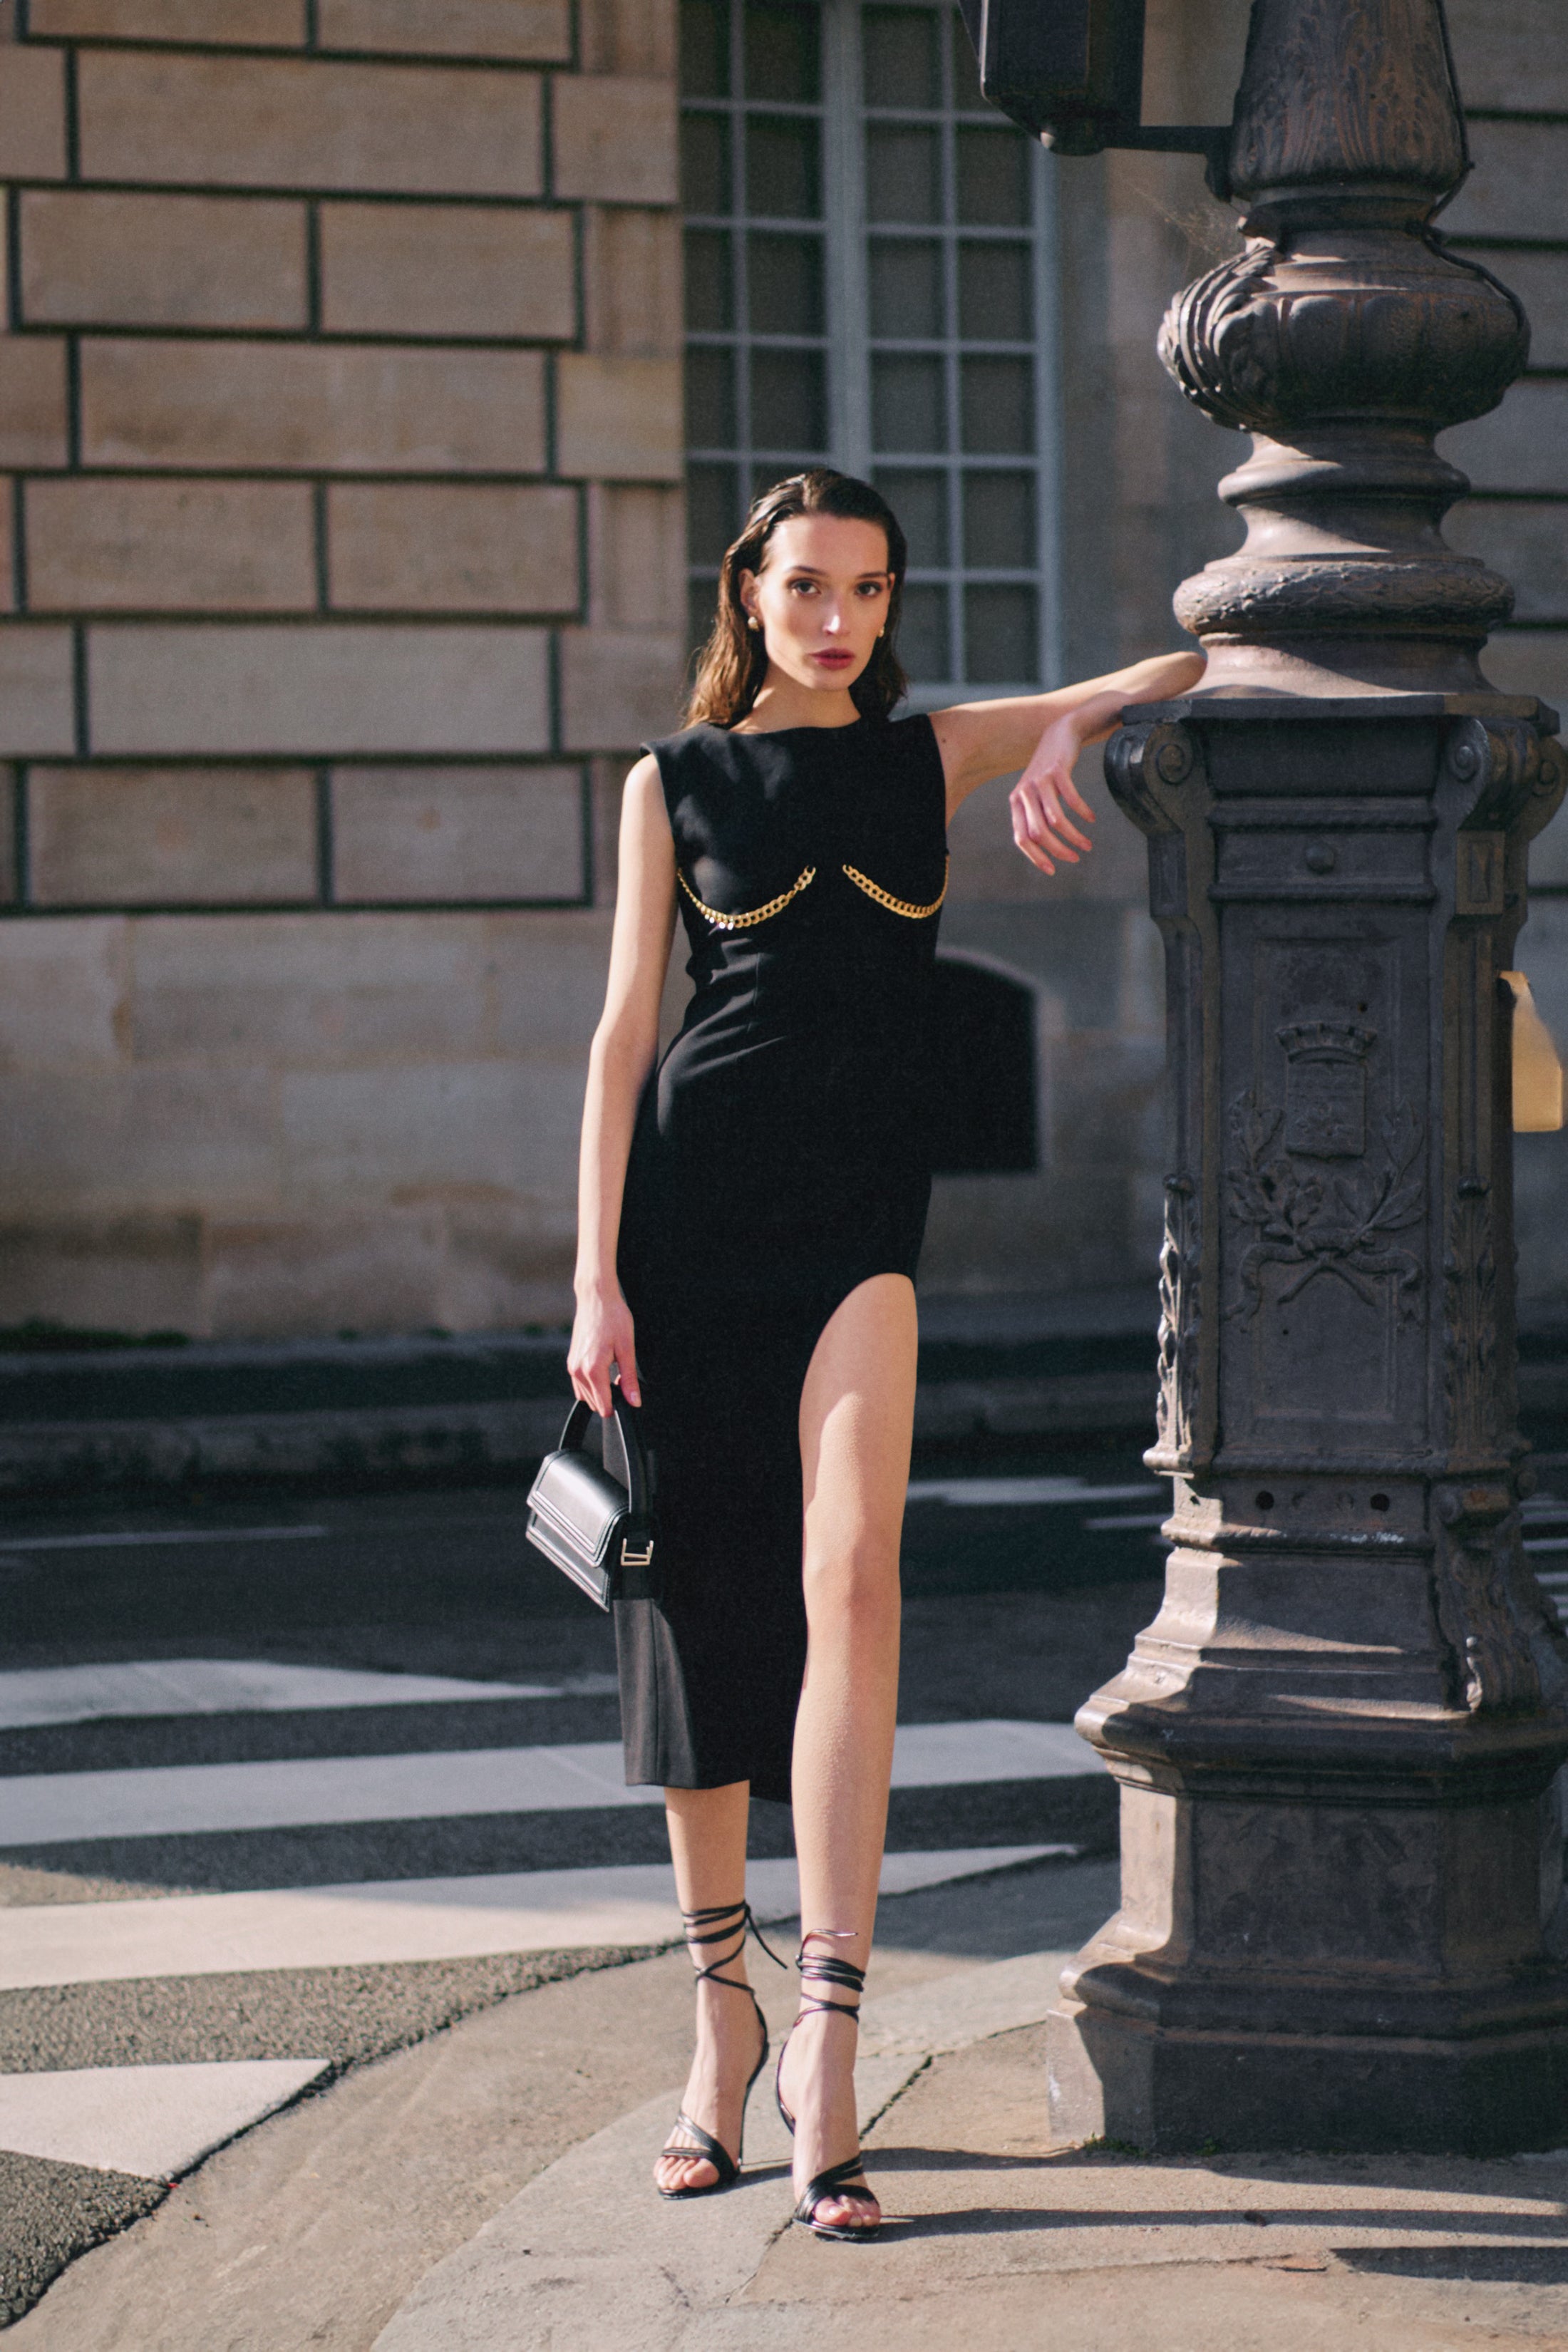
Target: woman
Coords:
[[749, 1225]]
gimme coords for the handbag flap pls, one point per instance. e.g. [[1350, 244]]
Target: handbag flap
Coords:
[[579, 1497]]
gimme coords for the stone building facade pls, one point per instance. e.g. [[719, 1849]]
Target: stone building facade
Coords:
[[362, 451]]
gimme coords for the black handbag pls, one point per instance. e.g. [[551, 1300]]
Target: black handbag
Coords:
[[596, 1528]]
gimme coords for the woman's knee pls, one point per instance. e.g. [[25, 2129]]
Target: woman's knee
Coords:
[[856, 1578]]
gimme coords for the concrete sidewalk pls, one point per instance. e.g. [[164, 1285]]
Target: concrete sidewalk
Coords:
[[993, 2237], [86, 1419], [146, 1418], [488, 2191]]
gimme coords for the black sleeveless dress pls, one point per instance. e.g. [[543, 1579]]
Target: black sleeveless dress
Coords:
[[780, 1158]]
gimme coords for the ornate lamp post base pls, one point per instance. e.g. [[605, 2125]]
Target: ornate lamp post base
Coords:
[[1342, 1920], [1330, 1936], [1342, 1917]]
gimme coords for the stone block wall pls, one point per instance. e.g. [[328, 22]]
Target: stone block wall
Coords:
[[1511, 217], [340, 573], [340, 558]]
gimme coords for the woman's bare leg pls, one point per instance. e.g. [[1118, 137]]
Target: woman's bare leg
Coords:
[[708, 1842], [856, 1416]]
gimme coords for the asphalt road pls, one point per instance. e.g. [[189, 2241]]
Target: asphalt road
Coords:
[[174, 1744], [288, 1783]]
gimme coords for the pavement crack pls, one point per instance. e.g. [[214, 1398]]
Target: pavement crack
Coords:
[[893, 2097]]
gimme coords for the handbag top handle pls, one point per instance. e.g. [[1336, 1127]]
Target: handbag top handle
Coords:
[[630, 1446]]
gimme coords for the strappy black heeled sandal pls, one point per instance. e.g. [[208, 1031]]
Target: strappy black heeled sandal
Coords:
[[845, 2180], [717, 1926]]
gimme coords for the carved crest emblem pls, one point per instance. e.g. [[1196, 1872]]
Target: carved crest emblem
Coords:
[[1340, 1225], [1325, 1087]]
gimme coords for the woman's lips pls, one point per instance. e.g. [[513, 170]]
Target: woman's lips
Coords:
[[835, 659]]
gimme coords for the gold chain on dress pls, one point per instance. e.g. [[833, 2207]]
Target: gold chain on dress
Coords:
[[899, 905], [758, 914]]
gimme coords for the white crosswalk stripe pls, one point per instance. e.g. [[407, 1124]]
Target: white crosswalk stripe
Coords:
[[141, 1539], [231, 1686], [154, 2122], [991, 1493], [52, 1808], [404, 1920]]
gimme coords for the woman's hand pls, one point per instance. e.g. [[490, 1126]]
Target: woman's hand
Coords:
[[602, 1339], [1043, 793]]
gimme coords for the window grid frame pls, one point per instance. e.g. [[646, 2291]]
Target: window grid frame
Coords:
[[844, 233], [738, 226], [952, 346]]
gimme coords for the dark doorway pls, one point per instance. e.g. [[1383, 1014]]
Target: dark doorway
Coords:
[[983, 1072]]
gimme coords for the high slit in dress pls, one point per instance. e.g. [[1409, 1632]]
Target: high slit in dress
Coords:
[[780, 1158]]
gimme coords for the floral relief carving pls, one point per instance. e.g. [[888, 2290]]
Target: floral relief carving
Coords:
[[1340, 1225], [1339, 88], [1469, 1289], [1486, 1619], [1264, 340], [1180, 1253]]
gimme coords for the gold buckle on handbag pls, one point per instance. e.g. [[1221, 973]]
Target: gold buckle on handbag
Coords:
[[630, 1559]]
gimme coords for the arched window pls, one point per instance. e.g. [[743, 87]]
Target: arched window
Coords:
[[983, 1075]]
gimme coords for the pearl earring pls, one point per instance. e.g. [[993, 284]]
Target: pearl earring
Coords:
[[753, 621]]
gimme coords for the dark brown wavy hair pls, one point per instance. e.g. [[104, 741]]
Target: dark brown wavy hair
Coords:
[[732, 666]]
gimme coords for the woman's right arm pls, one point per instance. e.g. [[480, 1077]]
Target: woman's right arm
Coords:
[[622, 1054]]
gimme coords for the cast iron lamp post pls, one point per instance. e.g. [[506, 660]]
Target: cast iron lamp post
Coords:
[[1342, 1918]]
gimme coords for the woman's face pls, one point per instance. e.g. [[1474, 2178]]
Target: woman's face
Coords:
[[821, 597]]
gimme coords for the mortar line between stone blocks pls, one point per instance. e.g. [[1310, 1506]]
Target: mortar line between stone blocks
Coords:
[[19, 543], [357, 340], [13, 259], [437, 60], [312, 24], [585, 580], [381, 480], [296, 191], [49, 912], [73, 116], [313, 264], [546, 134], [80, 718], [586, 818], [547, 375], [1548, 114], [21, 849], [326, 877], [579, 277], [73, 403], [319, 550]]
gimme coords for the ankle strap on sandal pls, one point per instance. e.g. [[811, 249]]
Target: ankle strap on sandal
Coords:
[[828, 1969], [717, 1926]]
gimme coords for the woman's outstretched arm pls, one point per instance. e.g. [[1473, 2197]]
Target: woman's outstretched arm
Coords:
[[619, 1060], [1043, 734]]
